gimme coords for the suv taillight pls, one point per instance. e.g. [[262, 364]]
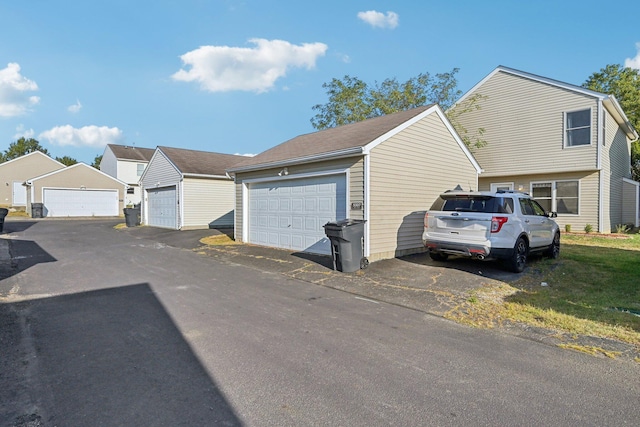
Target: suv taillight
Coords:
[[426, 220], [497, 222]]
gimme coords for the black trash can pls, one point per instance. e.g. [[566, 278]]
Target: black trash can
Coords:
[[347, 244], [132, 216], [3, 213], [37, 210]]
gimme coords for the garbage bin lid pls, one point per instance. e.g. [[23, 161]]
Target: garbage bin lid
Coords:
[[345, 222]]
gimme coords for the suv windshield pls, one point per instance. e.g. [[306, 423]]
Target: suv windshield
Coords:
[[485, 204]]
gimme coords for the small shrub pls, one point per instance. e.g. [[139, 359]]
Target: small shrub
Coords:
[[567, 228], [622, 229], [588, 228]]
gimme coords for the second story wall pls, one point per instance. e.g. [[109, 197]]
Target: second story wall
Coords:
[[524, 122]]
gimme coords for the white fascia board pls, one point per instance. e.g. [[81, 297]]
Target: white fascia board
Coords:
[[200, 175], [33, 153], [434, 109], [173, 165], [348, 152], [614, 108]]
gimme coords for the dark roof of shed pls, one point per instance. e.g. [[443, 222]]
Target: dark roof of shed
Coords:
[[127, 152], [200, 162], [332, 140]]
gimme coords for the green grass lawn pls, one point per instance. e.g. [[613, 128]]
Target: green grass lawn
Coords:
[[592, 289]]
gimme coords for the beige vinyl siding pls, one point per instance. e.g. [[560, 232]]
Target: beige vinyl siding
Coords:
[[407, 173], [524, 127], [588, 194], [356, 183], [631, 203], [616, 165], [207, 202], [22, 169]]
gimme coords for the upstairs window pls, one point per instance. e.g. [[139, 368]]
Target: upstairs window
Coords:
[[140, 169], [578, 128]]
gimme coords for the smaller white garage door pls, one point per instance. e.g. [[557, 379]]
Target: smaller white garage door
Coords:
[[162, 207], [89, 202], [290, 214]]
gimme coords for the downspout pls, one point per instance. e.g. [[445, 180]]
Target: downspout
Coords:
[[600, 138], [180, 202], [367, 197]]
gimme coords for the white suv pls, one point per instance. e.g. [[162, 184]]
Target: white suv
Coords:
[[505, 225]]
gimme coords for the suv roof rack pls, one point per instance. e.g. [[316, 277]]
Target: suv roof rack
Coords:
[[512, 192]]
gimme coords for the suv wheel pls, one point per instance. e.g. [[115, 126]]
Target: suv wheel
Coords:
[[554, 248], [438, 256], [518, 259]]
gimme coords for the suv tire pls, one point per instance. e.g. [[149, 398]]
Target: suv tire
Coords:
[[518, 259], [554, 248]]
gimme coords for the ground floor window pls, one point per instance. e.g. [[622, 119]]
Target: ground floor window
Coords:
[[558, 196]]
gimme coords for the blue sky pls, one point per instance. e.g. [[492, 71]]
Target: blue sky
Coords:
[[242, 76]]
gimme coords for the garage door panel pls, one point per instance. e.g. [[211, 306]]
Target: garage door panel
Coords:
[[297, 209], [76, 202], [162, 207]]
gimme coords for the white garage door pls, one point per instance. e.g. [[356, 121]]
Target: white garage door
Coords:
[[162, 207], [290, 214], [89, 202]]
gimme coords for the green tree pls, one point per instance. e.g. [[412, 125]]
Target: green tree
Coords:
[[23, 146], [96, 161], [352, 100], [624, 84], [66, 160]]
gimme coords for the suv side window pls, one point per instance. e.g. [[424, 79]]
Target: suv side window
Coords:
[[526, 207], [539, 210], [506, 205]]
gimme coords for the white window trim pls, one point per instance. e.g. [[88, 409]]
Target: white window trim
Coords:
[[554, 203], [495, 185], [565, 129]]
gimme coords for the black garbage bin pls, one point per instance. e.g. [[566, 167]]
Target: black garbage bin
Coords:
[[132, 216], [3, 213], [347, 242], [37, 210]]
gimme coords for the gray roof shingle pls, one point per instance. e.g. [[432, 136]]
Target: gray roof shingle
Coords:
[[126, 152], [330, 140], [200, 162]]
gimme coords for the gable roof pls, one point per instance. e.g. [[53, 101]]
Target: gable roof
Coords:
[[68, 168], [343, 141], [126, 152], [200, 163], [609, 101], [33, 153]]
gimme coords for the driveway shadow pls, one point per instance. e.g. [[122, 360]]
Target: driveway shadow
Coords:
[[107, 357], [17, 226]]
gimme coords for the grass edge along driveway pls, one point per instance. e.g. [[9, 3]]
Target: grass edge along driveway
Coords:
[[592, 290]]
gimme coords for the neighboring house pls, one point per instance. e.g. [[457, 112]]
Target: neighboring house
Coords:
[[188, 189], [386, 170], [126, 163], [14, 173], [79, 190], [569, 147]]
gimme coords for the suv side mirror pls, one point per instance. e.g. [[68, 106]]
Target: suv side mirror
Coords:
[[552, 214]]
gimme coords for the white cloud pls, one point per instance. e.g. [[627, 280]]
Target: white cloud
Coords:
[[87, 136], [256, 69], [245, 154], [634, 62], [75, 107], [14, 88], [22, 132], [379, 19]]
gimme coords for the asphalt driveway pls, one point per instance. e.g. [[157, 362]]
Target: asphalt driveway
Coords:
[[413, 281]]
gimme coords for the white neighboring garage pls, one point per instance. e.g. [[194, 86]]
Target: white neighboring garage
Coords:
[[77, 191], [188, 189]]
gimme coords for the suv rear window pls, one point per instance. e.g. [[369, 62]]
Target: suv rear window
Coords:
[[485, 204]]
